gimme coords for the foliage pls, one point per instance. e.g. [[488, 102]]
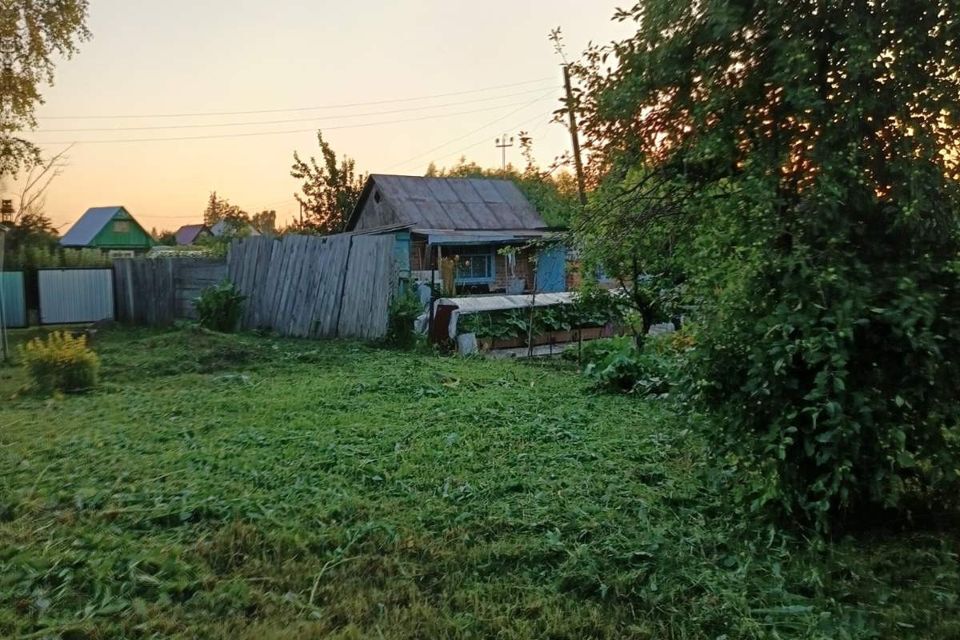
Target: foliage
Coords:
[[220, 210], [596, 307], [592, 310], [33, 33], [815, 140], [52, 256], [30, 226], [330, 191], [229, 486], [219, 307], [61, 362], [405, 308], [630, 232], [617, 364], [265, 222]]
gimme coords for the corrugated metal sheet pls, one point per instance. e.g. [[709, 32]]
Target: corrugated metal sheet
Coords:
[[14, 305], [451, 203], [88, 226], [69, 296]]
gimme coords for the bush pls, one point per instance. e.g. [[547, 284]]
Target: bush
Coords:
[[60, 363], [405, 308], [220, 307], [616, 364]]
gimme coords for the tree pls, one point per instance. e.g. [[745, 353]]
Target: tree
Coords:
[[629, 231], [32, 33], [265, 222], [30, 225], [828, 278], [219, 210], [331, 189]]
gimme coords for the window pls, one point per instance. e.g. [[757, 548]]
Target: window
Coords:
[[474, 264], [121, 226], [120, 253]]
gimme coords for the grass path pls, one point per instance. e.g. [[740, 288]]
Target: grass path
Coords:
[[242, 487]]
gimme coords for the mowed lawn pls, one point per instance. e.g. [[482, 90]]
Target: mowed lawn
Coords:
[[247, 487]]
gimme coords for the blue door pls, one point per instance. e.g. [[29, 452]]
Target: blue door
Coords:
[[552, 270]]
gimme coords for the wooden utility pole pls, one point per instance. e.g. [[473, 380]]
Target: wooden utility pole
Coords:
[[575, 136], [503, 146]]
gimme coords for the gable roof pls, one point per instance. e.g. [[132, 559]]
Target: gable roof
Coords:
[[450, 203], [233, 227], [188, 233], [84, 230]]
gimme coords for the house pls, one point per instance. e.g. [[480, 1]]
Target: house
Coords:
[[189, 234], [110, 229], [233, 229], [474, 221]]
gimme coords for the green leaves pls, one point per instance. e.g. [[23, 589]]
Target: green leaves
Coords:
[[819, 263]]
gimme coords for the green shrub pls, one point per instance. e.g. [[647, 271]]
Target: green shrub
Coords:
[[616, 364], [405, 308], [60, 363], [220, 307]]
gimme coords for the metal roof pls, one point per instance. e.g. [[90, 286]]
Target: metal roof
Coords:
[[84, 230], [451, 203], [188, 233]]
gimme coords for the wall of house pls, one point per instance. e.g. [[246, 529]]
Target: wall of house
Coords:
[[134, 237], [375, 213]]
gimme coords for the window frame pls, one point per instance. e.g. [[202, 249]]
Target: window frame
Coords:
[[473, 252]]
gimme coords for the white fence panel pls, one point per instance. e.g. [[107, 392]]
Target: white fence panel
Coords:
[[69, 296]]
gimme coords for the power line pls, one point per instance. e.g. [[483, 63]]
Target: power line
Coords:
[[484, 141], [288, 121], [289, 131], [498, 120], [318, 108]]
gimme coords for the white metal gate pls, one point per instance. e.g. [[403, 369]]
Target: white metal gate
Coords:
[[69, 296]]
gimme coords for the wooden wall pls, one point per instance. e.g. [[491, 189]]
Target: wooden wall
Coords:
[[308, 286], [155, 292]]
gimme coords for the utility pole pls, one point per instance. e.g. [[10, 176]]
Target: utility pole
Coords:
[[574, 135], [556, 37], [503, 146]]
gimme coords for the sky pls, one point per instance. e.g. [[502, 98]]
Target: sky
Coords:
[[393, 84]]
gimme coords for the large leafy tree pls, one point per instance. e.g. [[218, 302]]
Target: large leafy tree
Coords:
[[331, 189], [829, 332], [33, 33], [221, 210]]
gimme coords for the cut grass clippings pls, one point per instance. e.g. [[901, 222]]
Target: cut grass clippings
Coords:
[[246, 487]]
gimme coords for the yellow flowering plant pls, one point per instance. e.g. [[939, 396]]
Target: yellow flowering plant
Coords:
[[61, 362]]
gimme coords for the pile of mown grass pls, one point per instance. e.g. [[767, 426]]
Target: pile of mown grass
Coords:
[[244, 487]]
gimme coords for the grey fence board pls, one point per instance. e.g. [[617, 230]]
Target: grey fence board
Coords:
[[157, 291], [308, 286], [71, 296]]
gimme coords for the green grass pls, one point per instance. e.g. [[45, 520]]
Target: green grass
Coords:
[[244, 487]]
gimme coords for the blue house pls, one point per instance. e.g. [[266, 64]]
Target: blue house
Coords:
[[468, 219]]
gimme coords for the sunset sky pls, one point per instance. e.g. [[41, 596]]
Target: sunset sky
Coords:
[[361, 71]]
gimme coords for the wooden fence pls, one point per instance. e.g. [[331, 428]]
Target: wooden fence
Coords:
[[157, 291], [307, 286]]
